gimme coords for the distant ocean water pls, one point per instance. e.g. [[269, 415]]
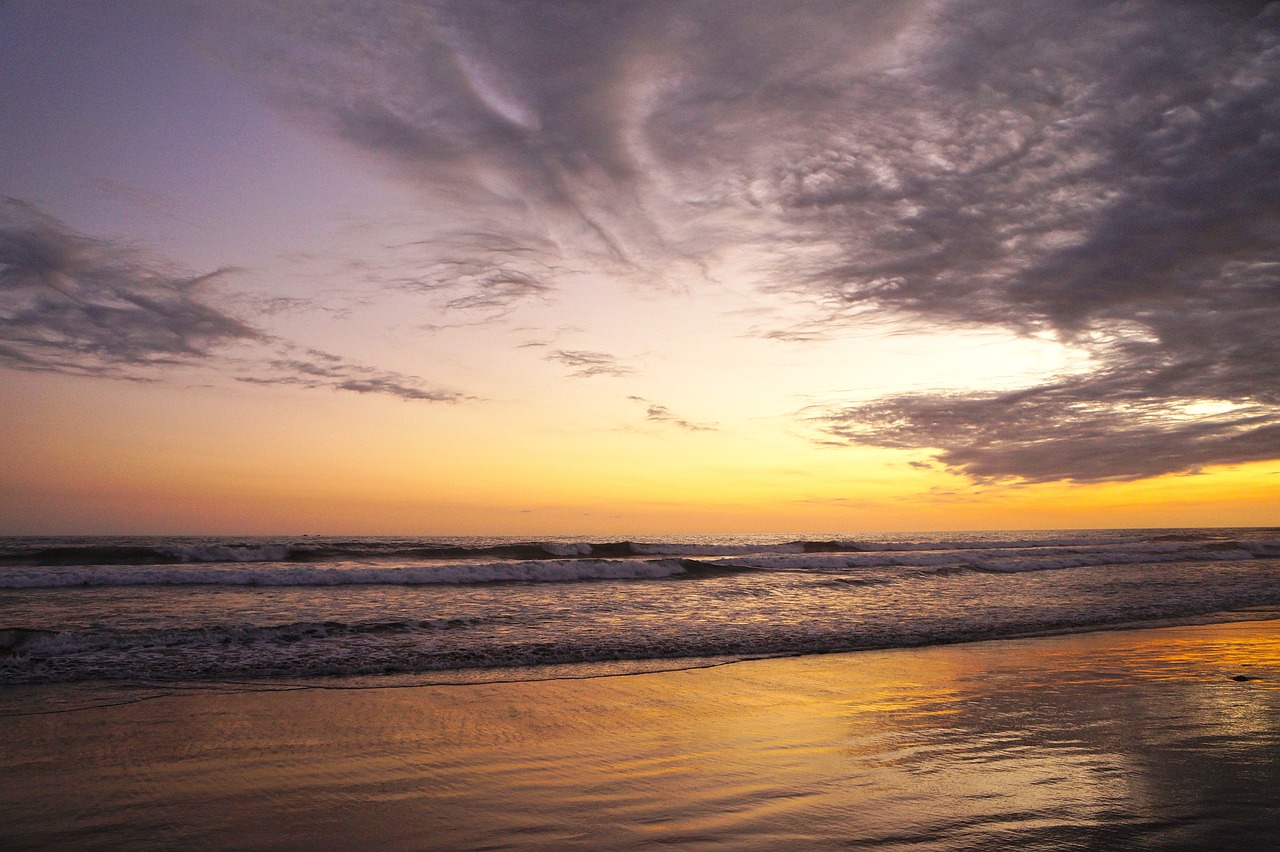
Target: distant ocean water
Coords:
[[232, 608]]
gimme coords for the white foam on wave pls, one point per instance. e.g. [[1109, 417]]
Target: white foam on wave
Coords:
[[992, 544], [838, 547], [549, 571], [228, 553], [247, 566], [48, 643], [1014, 560], [1262, 548], [577, 548], [705, 550]]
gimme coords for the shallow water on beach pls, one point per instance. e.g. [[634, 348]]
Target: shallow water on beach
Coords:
[[1131, 739]]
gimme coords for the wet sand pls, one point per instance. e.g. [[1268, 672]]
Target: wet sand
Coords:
[[1126, 739]]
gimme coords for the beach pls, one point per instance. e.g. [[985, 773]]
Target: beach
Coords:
[[548, 424], [1152, 738]]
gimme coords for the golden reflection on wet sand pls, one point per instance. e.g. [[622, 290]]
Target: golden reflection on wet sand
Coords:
[[1104, 739]]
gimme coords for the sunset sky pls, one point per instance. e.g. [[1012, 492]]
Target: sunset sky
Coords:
[[617, 268]]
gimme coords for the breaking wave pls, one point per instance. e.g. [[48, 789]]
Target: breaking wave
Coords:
[[278, 565], [17, 552], [552, 571], [99, 609]]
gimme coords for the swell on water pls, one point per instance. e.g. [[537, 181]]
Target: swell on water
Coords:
[[243, 566], [98, 552], [581, 602]]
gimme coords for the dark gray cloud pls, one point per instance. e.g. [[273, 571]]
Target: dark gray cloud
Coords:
[[72, 304], [550, 114], [1108, 178], [587, 364], [1065, 431], [1103, 173], [662, 414]]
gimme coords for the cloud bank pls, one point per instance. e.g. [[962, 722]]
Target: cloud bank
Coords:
[[1107, 178], [1103, 173]]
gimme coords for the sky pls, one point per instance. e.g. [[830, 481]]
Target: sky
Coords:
[[522, 267]]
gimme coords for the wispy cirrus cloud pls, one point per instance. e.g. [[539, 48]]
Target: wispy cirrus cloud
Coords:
[[483, 273], [576, 124], [661, 414], [73, 304], [1100, 173], [585, 364], [313, 368]]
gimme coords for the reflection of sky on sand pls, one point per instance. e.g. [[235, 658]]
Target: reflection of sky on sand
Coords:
[[1139, 736], [925, 753], [1105, 740]]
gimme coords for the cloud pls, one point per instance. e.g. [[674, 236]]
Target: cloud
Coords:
[[578, 123], [662, 414], [83, 306], [1065, 431], [72, 304], [588, 364], [1102, 173], [793, 335], [312, 368], [1114, 185], [487, 273]]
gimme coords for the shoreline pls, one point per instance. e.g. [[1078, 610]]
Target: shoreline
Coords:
[[595, 670], [1138, 735]]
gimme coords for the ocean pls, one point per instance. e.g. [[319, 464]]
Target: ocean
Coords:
[[492, 693], [203, 610]]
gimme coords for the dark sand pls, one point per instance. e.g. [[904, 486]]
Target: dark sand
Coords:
[[1130, 739]]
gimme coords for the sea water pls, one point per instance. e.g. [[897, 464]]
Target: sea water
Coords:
[[211, 609]]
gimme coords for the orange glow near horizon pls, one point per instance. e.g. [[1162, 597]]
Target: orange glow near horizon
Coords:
[[144, 459]]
